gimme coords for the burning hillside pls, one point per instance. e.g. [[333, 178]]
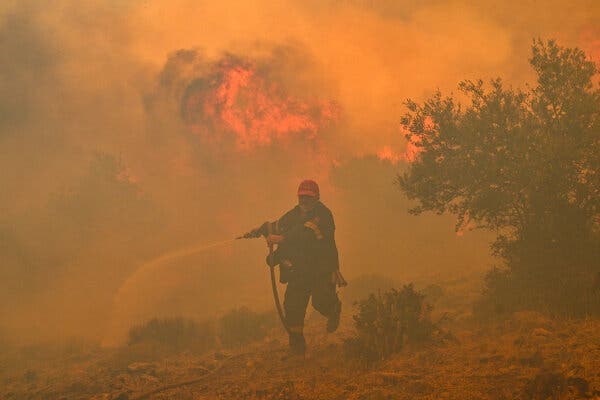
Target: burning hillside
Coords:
[[237, 100]]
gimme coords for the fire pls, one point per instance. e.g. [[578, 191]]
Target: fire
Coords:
[[386, 153], [468, 225], [410, 154], [413, 147], [238, 100], [590, 36], [411, 151]]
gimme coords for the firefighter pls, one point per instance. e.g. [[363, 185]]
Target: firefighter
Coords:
[[308, 260]]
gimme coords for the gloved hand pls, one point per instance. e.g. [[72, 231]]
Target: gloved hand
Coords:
[[254, 233], [274, 239], [257, 232], [338, 279]]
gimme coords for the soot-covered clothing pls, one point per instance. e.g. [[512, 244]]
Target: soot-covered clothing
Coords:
[[309, 250], [307, 258]]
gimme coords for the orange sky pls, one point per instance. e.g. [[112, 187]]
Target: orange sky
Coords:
[[81, 79]]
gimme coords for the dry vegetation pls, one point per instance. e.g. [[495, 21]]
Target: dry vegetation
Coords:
[[242, 356]]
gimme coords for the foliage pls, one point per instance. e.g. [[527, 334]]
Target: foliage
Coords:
[[363, 285], [523, 163], [433, 292], [386, 322], [552, 294], [103, 209], [104, 200], [554, 384], [242, 325], [174, 334]]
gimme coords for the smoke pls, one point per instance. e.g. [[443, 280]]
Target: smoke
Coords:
[[244, 99], [131, 130]]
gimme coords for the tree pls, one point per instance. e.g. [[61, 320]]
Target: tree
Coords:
[[523, 163]]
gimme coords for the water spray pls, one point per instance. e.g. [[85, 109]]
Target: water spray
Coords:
[[164, 258], [153, 264], [265, 230]]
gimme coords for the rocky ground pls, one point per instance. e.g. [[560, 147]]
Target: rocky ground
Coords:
[[525, 356]]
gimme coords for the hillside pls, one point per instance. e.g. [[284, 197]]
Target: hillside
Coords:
[[526, 356]]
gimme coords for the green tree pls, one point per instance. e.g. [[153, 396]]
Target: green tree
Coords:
[[523, 163], [104, 202]]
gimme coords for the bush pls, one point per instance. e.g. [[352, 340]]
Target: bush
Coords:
[[362, 286], [242, 325], [433, 292], [174, 334], [522, 163], [507, 291], [387, 321]]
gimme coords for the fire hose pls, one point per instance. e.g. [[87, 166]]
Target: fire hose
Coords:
[[253, 234], [265, 230]]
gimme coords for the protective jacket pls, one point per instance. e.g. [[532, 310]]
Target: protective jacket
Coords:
[[309, 248]]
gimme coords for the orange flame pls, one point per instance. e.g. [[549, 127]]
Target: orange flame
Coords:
[[590, 36], [410, 154], [467, 226], [411, 151], [238, 100], [386, 153], [413, 148]]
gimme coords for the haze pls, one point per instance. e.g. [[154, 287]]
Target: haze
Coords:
[[108, 162]]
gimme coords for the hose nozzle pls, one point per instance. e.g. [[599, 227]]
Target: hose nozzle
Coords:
[[254, 233], [262, 230]]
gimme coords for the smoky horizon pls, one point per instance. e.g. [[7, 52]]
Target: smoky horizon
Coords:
[[138, 139]]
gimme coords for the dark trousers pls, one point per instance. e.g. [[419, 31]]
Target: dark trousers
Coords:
[[297, 294]]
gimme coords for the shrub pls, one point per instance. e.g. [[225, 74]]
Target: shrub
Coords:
[[522, 163], [507, 291], [175, 334], [387, 321], [242, 325], [433, 292], [363, 285]]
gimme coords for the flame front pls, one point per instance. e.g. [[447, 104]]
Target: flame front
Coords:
[[411, 151], [237, 100], [590, 37]]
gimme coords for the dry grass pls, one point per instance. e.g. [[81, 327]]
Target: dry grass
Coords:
[[526, 356]]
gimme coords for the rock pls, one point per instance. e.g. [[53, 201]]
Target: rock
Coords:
[[494, 358], [198, 370], [30, 376], [541, 332], [531, 319], [580, 385], [101, 396], [140, 367], [534, 360], [546, 384], [210, 364], [147, 378]]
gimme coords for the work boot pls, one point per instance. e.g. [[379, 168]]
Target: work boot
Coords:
[[334, 319], [297, 344]]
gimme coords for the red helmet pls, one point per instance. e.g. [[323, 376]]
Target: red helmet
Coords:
[[308, 188]]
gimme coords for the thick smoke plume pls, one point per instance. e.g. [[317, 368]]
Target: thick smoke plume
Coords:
[[129, 130], [237, 98]]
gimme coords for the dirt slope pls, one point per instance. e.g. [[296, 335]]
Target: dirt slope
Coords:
[[525, 357]]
